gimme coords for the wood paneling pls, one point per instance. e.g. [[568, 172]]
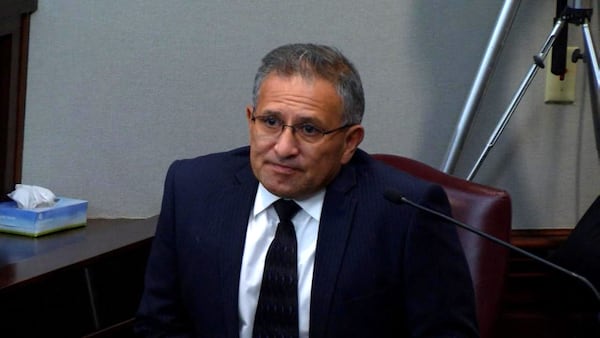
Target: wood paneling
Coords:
[[540, 302]]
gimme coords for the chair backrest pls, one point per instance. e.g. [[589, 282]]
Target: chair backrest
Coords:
[[485, 208]]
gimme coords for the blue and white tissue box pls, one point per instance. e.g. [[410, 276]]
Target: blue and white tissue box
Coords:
[[67, 213]]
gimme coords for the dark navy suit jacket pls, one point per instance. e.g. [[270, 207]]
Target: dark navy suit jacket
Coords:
[[381, 269]]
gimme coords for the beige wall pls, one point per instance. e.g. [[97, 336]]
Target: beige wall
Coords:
[[117, 90]]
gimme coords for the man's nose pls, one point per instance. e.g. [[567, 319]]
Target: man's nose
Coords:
[[287, 143]]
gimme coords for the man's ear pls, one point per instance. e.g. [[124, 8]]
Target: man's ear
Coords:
[[354, 137], [249, 110]]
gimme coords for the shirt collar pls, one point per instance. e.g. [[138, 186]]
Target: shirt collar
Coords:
[[311, 205]]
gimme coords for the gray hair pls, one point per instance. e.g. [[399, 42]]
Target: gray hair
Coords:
[[309, 61]]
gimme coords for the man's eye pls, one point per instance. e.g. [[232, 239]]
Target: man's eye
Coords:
[[309, 129], [272, 121]]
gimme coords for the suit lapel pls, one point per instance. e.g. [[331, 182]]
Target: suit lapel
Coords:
[[334, 229], [233, 207]]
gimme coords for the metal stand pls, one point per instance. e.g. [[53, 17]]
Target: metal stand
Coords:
[[501, 30], [538, 62], [578, 14], [594, 78]]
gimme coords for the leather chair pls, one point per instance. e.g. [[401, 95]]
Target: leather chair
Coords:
[[485, 208]]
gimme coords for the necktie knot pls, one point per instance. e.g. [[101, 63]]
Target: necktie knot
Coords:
[[286, 209]]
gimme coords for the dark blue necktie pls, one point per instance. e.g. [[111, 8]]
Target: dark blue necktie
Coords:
[[277, 308]]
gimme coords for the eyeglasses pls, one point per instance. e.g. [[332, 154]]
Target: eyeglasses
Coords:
[[273, 126]]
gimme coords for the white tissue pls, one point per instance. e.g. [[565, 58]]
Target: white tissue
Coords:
[[32, 196]]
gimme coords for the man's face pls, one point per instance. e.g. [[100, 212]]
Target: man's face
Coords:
[[285, 164]]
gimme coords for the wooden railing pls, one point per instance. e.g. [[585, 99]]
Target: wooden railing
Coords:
[[534, 303]]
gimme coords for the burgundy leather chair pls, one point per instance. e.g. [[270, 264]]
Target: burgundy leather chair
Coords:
[[485, 208]]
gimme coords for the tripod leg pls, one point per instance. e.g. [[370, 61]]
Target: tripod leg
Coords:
[[538, 63], [594, 76], [507, 14]]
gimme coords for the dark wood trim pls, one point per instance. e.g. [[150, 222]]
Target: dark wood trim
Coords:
[[11, 8], [14, 38], [539, 238], [21, 96]]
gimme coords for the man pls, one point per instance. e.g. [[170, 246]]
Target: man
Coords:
[[365, 267]]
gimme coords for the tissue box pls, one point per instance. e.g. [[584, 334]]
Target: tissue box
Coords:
[[67, 213]]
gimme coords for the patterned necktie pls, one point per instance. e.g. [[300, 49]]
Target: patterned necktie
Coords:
[[277, 308]]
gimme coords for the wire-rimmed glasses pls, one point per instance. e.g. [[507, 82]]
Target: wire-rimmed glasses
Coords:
[[273, 126]]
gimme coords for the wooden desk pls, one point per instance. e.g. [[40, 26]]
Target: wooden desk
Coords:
[[74, 282]]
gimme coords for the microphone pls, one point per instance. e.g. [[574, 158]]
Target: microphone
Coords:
[[396, 197]]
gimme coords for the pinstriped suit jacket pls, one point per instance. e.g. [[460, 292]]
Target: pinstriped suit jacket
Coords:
[[381, 269]]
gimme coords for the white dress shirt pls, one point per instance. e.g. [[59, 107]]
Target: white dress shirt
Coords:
[[262, 225]]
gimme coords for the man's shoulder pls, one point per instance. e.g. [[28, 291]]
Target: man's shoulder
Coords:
[[212, 166], [233, 156], [379, 174], [370, 166]]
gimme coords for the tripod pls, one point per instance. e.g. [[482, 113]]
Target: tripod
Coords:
[[578, 13]]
